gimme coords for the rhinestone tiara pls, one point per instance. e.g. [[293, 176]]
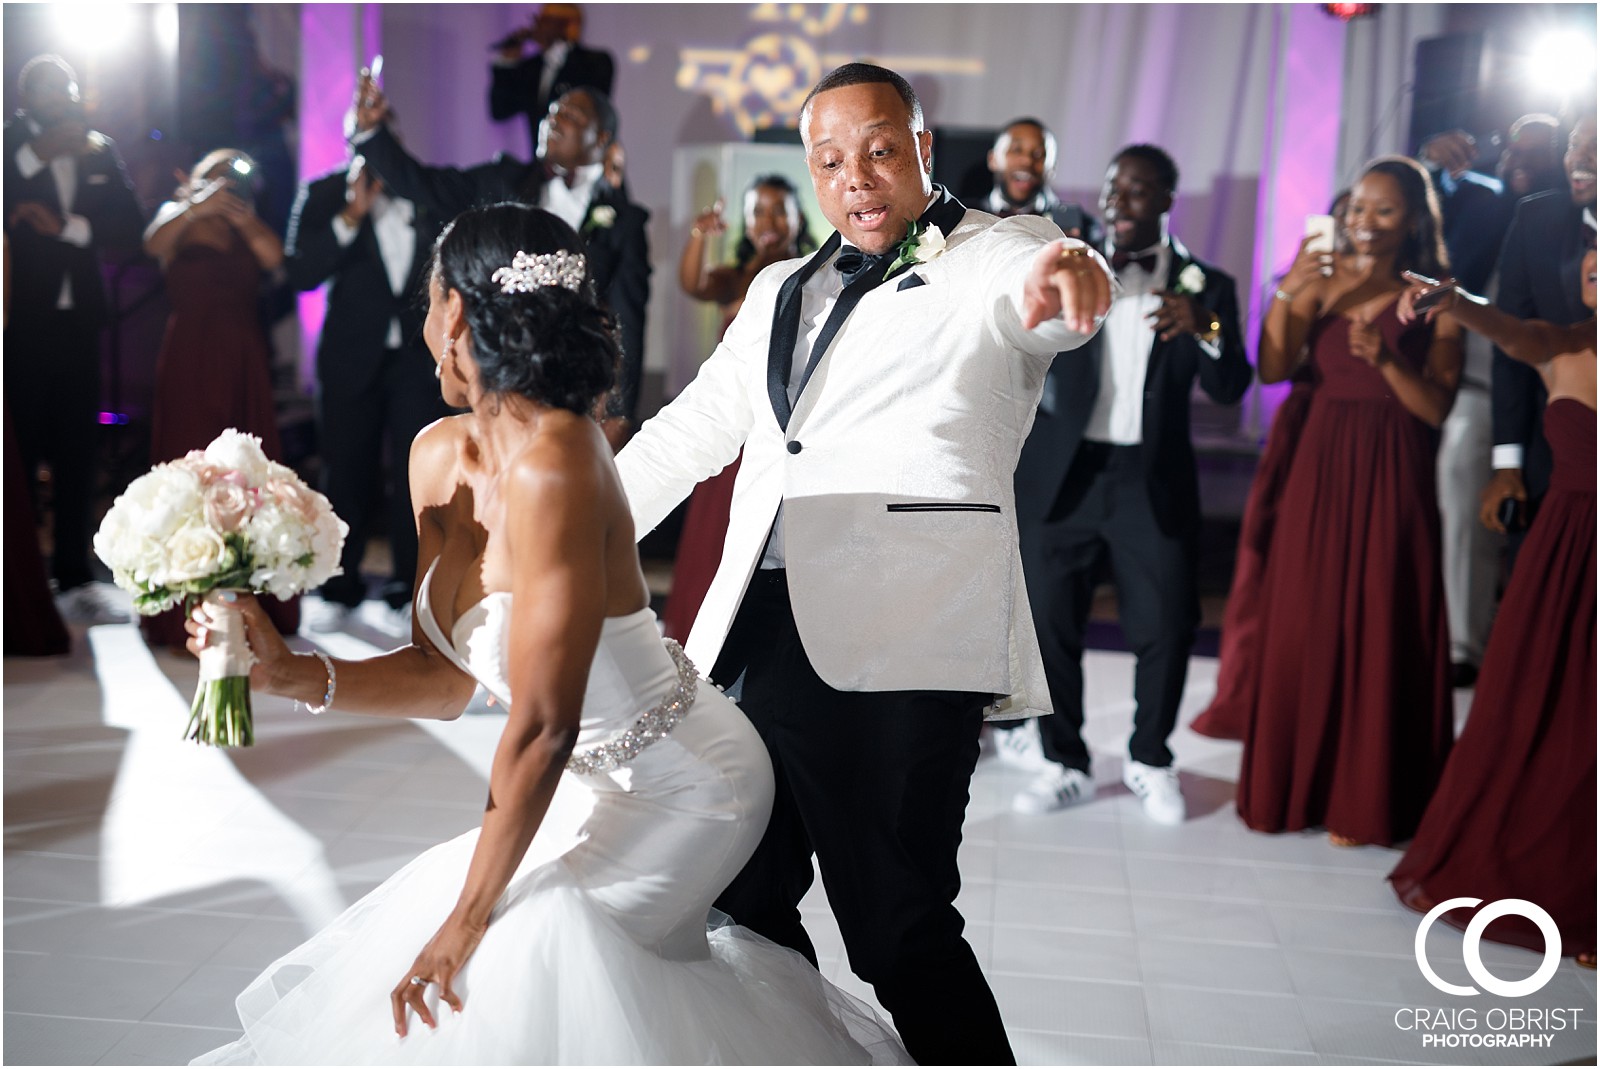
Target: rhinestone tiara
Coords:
[[529, 271]]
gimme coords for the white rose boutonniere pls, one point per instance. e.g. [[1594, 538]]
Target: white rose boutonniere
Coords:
[[601, 216], [922, 244], [1191, 280]]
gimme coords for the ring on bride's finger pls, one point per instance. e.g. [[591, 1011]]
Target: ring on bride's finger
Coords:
[[417, 981], [1075, 250]]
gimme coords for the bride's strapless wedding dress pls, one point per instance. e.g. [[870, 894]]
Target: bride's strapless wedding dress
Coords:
[[601, 955]]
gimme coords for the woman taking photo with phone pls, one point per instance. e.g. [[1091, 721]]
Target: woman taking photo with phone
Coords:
[[1349, 720], [1514, 816], [214, 370]]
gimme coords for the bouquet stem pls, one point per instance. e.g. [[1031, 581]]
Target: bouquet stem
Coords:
[[220, 713]]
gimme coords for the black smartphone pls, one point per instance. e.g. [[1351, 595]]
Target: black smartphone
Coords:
[[1513, 514], [1070, 218], [1427, 300]]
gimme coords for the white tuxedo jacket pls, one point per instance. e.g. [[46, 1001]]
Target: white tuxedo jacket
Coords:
[[895, 473]]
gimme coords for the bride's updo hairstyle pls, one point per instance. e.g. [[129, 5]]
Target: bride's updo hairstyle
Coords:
[[543, 340]]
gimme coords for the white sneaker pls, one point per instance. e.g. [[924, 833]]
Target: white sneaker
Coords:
[[1055, 788], [324, 616], [1158, 789], [91, 604], [1020, 747]]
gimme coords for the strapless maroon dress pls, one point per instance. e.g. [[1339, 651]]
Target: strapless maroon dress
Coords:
[[1514, 816]]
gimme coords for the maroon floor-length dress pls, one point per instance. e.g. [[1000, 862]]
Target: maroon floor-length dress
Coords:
[[1514, 816], [1239, 658], [1350, 722], [705, 529], [213, 373]]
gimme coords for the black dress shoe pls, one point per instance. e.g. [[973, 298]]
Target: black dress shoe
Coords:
[[1463, 675]]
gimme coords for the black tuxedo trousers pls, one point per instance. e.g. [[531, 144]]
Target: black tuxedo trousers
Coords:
[[875, 785], [357, 427], [52, 382], [1104, 518]]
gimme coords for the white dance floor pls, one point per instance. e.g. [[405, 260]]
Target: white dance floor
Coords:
[[147, 880]]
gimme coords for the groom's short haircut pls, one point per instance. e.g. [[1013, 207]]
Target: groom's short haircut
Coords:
[[861, 74], [1155, 157]]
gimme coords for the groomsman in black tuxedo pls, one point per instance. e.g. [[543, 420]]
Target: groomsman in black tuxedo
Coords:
[[375, 378], [1107, 478], [1023, 162], [67, 198], [1540, 266], [520, 86], [566, 179]]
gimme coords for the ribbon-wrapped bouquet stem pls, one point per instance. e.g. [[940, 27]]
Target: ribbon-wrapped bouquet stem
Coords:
[[221, 520]]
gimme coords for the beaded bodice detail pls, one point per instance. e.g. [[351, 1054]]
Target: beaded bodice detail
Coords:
[[633, 668]]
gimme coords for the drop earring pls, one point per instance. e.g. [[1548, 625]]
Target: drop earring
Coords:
[[445, 354]]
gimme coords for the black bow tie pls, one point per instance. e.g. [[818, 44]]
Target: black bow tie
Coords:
[[852, 264], [1145, 260]]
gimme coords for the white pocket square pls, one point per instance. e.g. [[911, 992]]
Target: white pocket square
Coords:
[[98, 179]]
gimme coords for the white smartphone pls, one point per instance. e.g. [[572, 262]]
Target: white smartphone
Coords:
[[1320, 228]]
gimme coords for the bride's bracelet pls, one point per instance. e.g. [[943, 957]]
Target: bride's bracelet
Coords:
[[333, 684]]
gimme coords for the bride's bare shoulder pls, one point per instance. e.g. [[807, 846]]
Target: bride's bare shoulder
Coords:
[[435, 453]]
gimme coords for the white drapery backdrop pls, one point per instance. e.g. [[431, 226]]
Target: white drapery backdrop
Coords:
[[1266, 108]]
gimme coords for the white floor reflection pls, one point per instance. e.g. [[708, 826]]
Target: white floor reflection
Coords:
[[181, 816]]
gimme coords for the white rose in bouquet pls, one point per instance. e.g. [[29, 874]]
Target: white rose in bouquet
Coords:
[[196, 552]]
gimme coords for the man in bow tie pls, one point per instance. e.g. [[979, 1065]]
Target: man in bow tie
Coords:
[[68, 200], [869, 601], [567, 178], [375, 379], [1107, 481], [1023, 162]]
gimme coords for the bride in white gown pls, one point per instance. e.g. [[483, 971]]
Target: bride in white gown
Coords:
[[534, 590]]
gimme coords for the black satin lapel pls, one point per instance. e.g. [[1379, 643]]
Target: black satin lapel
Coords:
[[841, 311], [946, 212], [786, 330]]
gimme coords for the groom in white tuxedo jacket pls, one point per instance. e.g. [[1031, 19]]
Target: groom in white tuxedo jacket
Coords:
[[870, 595]]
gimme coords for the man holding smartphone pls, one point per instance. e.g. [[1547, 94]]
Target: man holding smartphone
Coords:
[[1540, 266], [67, 198]]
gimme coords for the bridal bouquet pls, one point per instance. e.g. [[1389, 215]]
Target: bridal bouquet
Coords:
[[223, 519]]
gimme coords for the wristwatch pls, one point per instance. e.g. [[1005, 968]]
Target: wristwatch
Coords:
[[1212, 330]]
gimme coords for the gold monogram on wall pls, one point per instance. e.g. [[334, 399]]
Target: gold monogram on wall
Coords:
[[765, 82]]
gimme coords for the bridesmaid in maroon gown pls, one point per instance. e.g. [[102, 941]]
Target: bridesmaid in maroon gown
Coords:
[[1237, 659], [1349, 721], [1514, 816], [774, 229], [214, 368], [1239, 654]]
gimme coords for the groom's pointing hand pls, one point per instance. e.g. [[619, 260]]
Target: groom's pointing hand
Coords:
[[1068, 279]]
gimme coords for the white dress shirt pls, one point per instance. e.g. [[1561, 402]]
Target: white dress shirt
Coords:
[[75, 229], [571, 205], [392, 224], [817, 298], [1118, 413]]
